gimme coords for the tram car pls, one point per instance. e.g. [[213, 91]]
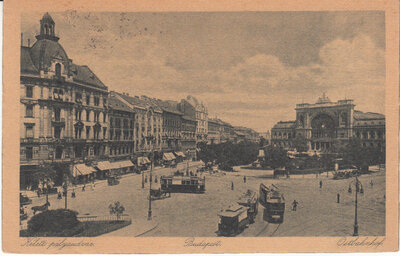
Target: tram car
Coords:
[[250, 200], [232, 220], [183, 184], [274, 203]]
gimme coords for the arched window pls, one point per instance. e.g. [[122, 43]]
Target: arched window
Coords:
[[58, 70], [46, 29]]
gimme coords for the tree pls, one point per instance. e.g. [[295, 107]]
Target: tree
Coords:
[[275, 157], [300, 144], [116, 209], [262, 142]]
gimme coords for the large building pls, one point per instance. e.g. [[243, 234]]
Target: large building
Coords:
[[63, 107], [148, 124], [121, 129], [325, 123], [193, 108]]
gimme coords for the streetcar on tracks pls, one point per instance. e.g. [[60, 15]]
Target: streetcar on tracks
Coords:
[[233, 220], [250, 200], [183, 184], [274, 203]]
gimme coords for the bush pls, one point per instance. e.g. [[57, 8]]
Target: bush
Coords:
[[58, 222]]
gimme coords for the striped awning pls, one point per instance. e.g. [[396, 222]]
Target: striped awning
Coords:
[[124, 164], [104, 165], [82, 169], [172, 156], [180, 154], [141, 160]]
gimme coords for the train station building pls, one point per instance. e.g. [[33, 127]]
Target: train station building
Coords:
[[326, 123]]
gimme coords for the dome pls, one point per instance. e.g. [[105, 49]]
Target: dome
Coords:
[[44, 51], [47, 18]]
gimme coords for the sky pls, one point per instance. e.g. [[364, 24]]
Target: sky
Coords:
[[248, 68]]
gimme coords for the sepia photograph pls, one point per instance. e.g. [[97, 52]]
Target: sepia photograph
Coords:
[[202, 124], [200, 129]]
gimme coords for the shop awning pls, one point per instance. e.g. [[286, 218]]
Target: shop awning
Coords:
[[166, 157], [261, 153], [172, 156], [124, 164], [82, 169], [180, 154], [104, 165], [142, 160]]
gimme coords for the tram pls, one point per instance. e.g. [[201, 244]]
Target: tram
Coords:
[[273, 201], [250, 200], [232, 220], [182, 184]]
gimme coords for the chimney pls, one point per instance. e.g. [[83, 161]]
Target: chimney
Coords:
[[22, 39], [29, 42]]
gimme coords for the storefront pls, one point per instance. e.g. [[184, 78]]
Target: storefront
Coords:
[[180, 156], [103, 168], [83, 173], [169, 159], [143, 162]]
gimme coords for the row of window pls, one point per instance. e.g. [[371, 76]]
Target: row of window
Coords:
[[58, 94]]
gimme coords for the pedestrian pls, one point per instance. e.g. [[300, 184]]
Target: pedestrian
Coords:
[[59, 195], [294, 205], [372, 184], [93, 184], [83, 187], [232, 185], [145, 179], [155, 179], [349, 190], [338, 198], [320, 184], [73, 193], [38, 193], [244, 179]]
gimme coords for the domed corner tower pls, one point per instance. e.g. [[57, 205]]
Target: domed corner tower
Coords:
[[47, 54], [47, 28]]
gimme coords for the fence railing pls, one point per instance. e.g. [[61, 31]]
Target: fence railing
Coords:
[[123, 217]]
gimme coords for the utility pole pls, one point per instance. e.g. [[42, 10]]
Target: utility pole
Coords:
[[150, 138]]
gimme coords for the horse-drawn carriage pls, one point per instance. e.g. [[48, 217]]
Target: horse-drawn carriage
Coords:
[[24, 199], [157, 194], [112, 180]]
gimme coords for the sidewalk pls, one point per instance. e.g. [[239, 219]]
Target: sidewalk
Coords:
[[138, 227], [33, 194]]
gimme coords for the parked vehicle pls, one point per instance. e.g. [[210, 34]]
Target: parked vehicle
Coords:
[[112, 180], [273, 201], [232, 220], [157, 194], [183, 184], [24, 199], [250, 200]]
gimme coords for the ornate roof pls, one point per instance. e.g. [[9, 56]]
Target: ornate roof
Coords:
[[115, 103], [286, 124], [44, 51], [26, 61], [358, 115]]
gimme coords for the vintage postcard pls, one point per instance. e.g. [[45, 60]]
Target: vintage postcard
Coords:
[[200, 126]]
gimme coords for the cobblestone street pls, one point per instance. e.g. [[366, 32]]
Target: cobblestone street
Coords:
[[185, 215]]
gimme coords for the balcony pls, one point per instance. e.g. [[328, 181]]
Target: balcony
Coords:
[[58, 122]]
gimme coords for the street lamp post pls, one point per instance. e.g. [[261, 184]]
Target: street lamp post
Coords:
[[359, 188], [150, 138]]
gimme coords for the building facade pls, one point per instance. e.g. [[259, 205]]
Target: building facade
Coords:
[[121, 129], [188, 140], [326, 123], [193, 108], [214, 131], [63, 107], [148, 125]]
